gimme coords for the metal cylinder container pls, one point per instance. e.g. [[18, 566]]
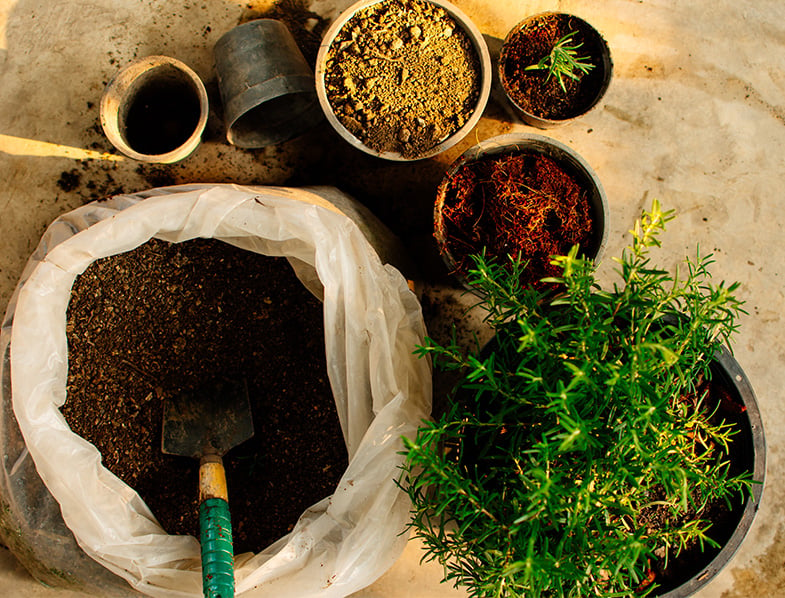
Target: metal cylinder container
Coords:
[[267, 87]]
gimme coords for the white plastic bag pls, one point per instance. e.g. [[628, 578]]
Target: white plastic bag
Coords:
[[382, 391]]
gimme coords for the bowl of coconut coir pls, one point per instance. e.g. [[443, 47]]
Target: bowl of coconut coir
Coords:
[[519, 195], [403, 80]]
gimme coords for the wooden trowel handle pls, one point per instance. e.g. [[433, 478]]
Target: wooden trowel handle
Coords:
[[215, 530]]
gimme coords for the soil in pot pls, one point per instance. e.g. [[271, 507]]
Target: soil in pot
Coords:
[[163, 318], [532, 90], [513, 204], [402, 76]]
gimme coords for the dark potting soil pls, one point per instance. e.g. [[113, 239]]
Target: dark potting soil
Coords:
[[532, 90], [402, 76], [514, 204], [166, 318], [161, 117]]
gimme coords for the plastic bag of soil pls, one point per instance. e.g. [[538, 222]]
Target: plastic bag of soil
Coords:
[[59, 504]]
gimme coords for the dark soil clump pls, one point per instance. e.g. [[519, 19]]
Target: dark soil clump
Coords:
[[69, 179], [515, 204], [532, 90], [402, 76], [167, 318]]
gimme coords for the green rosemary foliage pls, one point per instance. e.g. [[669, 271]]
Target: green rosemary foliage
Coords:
[[582, 416], [563, 61]]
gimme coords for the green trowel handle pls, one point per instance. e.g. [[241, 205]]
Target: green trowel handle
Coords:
[[216, 530]]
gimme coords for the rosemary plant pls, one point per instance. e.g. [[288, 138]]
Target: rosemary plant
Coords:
[[563, 61], [583, 415]]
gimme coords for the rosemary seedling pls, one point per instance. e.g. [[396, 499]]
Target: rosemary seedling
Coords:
[[585, 413], [563, 61]]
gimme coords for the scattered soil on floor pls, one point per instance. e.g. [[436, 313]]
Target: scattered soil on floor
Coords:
[[167, 318], [533, 90], [402, 76], [513, 204], [157, 176], [98, 180], [69, 179]]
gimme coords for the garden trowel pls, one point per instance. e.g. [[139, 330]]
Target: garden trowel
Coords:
[[205, 425]]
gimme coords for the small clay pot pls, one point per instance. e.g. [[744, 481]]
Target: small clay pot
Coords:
[[538, 97], [483, 62], [455, 250], [155, 110]]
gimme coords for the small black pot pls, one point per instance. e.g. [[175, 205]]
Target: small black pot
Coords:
[[267, 88], [593, 85]]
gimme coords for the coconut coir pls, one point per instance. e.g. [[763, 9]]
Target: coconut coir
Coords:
[[165, 318], [522, 204]]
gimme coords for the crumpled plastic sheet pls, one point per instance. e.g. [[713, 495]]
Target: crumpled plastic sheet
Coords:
[[382, 391]]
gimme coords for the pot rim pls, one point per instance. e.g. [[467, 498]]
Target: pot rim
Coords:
[[516, 142], [550, 123], [483, 55], [115, 94], [736, 377]]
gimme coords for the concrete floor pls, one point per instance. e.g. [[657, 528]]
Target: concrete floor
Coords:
[[695, 117]]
